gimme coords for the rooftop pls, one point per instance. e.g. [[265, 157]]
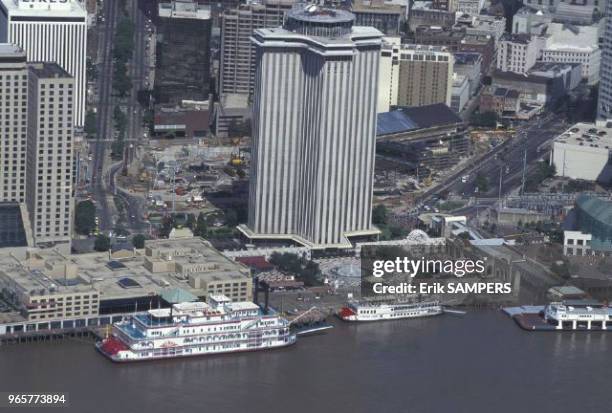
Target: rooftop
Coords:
[[318, 14], [466, 58], [570, 37], [521, 38], [46, 70], [10, 50], [184, 9], [414, 118], [179, 264], [45, 10], [377, 7], [588, 135]]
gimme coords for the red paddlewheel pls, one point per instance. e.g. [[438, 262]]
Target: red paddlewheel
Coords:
[[346, 312], [112, 346]]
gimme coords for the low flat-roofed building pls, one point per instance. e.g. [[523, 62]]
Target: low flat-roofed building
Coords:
[[49, 285], [431, 135], [583, 152], [181, 122]]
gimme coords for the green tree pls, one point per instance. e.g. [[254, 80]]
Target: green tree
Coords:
[[191, 222], [102, 243], [485, 119], [85, 217], [90, 123], [482, 182], [138, 241], [379, 215], [201, 227], [231, 217]]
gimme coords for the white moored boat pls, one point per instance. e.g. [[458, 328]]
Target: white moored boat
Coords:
[[196, 328], [371, 311], [578, 315]]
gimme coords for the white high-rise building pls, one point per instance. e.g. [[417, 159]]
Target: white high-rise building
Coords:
[[50, 31], [13, 122], [314, 129], [49, 154], [604, 106]]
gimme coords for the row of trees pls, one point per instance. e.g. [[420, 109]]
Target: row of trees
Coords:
[[304, 270], [202, 226], [85, 218], [120, 121], [390, 230], [122, 53], [102, 242]]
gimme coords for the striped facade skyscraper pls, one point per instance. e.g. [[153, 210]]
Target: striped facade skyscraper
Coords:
[[604, 105], [51, 32], [314, 129]]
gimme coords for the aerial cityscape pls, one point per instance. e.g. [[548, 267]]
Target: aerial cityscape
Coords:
[[306, 206]]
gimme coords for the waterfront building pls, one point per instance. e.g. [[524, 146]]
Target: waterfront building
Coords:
[[604, 106], [314, 124], [50, 149], [237, 71], [50, 32], [13, 128], [52, 290]]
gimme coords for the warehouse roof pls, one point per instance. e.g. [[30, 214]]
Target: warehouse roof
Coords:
[[405, 119]]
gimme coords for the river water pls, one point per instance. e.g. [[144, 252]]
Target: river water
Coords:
[[479, 362]]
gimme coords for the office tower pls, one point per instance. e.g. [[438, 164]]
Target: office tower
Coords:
[[314, 125], [50, 32], [237, 71], [183, 50], [604, 111], [425, 75], [49, 153], [13, 122]]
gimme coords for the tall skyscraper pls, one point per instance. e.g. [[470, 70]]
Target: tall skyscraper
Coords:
[[13, 122], [50, 31], [237, 72], [182, 72], [604, 106], [49, 153], [314, 126]]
